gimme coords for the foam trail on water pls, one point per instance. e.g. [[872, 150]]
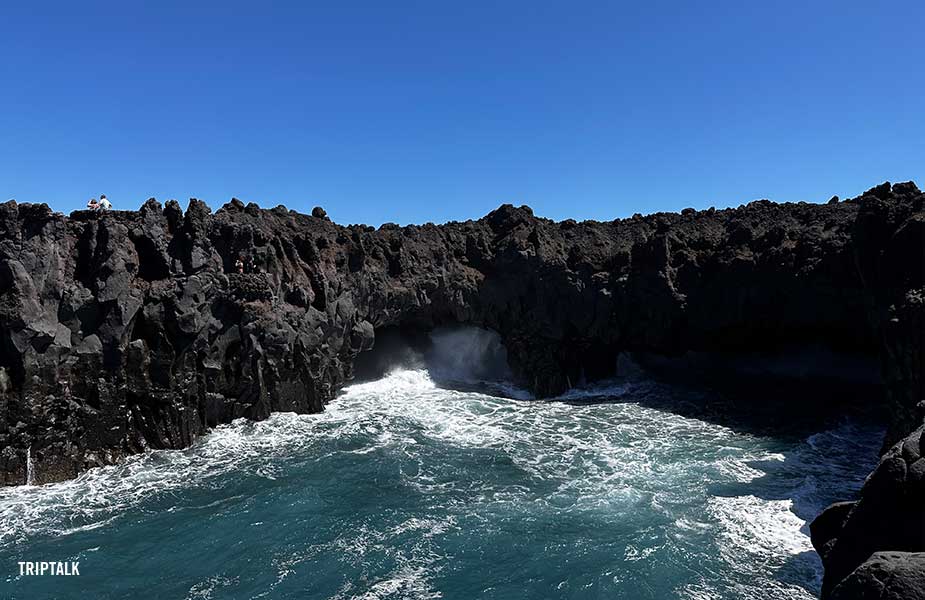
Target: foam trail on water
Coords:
[[623, 494]]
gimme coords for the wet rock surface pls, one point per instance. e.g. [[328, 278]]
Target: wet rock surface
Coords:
[[127, 330]]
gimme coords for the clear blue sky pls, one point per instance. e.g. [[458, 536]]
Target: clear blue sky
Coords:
[[431, 111]]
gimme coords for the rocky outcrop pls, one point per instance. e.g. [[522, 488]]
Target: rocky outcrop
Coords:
[[121, 331], [890, 240], [886, 576], [889, 515], [890, 512]]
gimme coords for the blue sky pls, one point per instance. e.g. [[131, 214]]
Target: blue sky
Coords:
[[432, 111]]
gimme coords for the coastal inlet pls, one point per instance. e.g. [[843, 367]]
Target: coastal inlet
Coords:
[[405, 488]]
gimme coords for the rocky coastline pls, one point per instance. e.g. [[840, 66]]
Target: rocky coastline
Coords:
[[127, 330]]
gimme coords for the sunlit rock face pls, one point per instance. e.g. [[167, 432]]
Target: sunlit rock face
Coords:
[[126, 330], [121, 331]]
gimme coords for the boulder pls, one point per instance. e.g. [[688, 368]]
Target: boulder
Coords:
[[885, 576]]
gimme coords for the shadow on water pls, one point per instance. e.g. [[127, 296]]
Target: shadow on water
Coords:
[[823, 422], [789, 394], [837, 431], [830, 466], [791, 571], [787, 409], [829, 434]]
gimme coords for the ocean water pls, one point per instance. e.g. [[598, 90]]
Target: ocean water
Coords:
[[405, 489]]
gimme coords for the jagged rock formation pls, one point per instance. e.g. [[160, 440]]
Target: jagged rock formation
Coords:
[[121, 331], [889, 515]]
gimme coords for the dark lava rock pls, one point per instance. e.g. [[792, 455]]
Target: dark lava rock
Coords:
[[889, 515], [127, 330], [144, 319], [319, 213], [885, 576], [826, 527]]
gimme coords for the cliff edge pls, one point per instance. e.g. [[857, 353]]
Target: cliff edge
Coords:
[[127, 330]]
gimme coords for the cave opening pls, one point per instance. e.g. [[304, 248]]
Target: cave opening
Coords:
[[455, 356], [396, 347]]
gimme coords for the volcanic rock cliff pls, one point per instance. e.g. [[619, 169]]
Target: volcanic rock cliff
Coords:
[[125, 330]]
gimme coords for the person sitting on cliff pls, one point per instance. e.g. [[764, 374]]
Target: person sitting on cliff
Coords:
[[93, 204], [239, 265], [105, 204]]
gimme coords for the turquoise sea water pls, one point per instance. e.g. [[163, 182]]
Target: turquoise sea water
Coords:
[[406, 490]]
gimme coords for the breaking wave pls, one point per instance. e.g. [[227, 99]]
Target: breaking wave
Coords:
[[404, 489]]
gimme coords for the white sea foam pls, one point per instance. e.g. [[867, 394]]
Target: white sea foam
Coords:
[[754, 527], [204, 589], [609, 462]]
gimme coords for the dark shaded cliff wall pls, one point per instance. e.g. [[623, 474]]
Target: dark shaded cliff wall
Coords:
[[127, 330], [123, 331], [873, 547]]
